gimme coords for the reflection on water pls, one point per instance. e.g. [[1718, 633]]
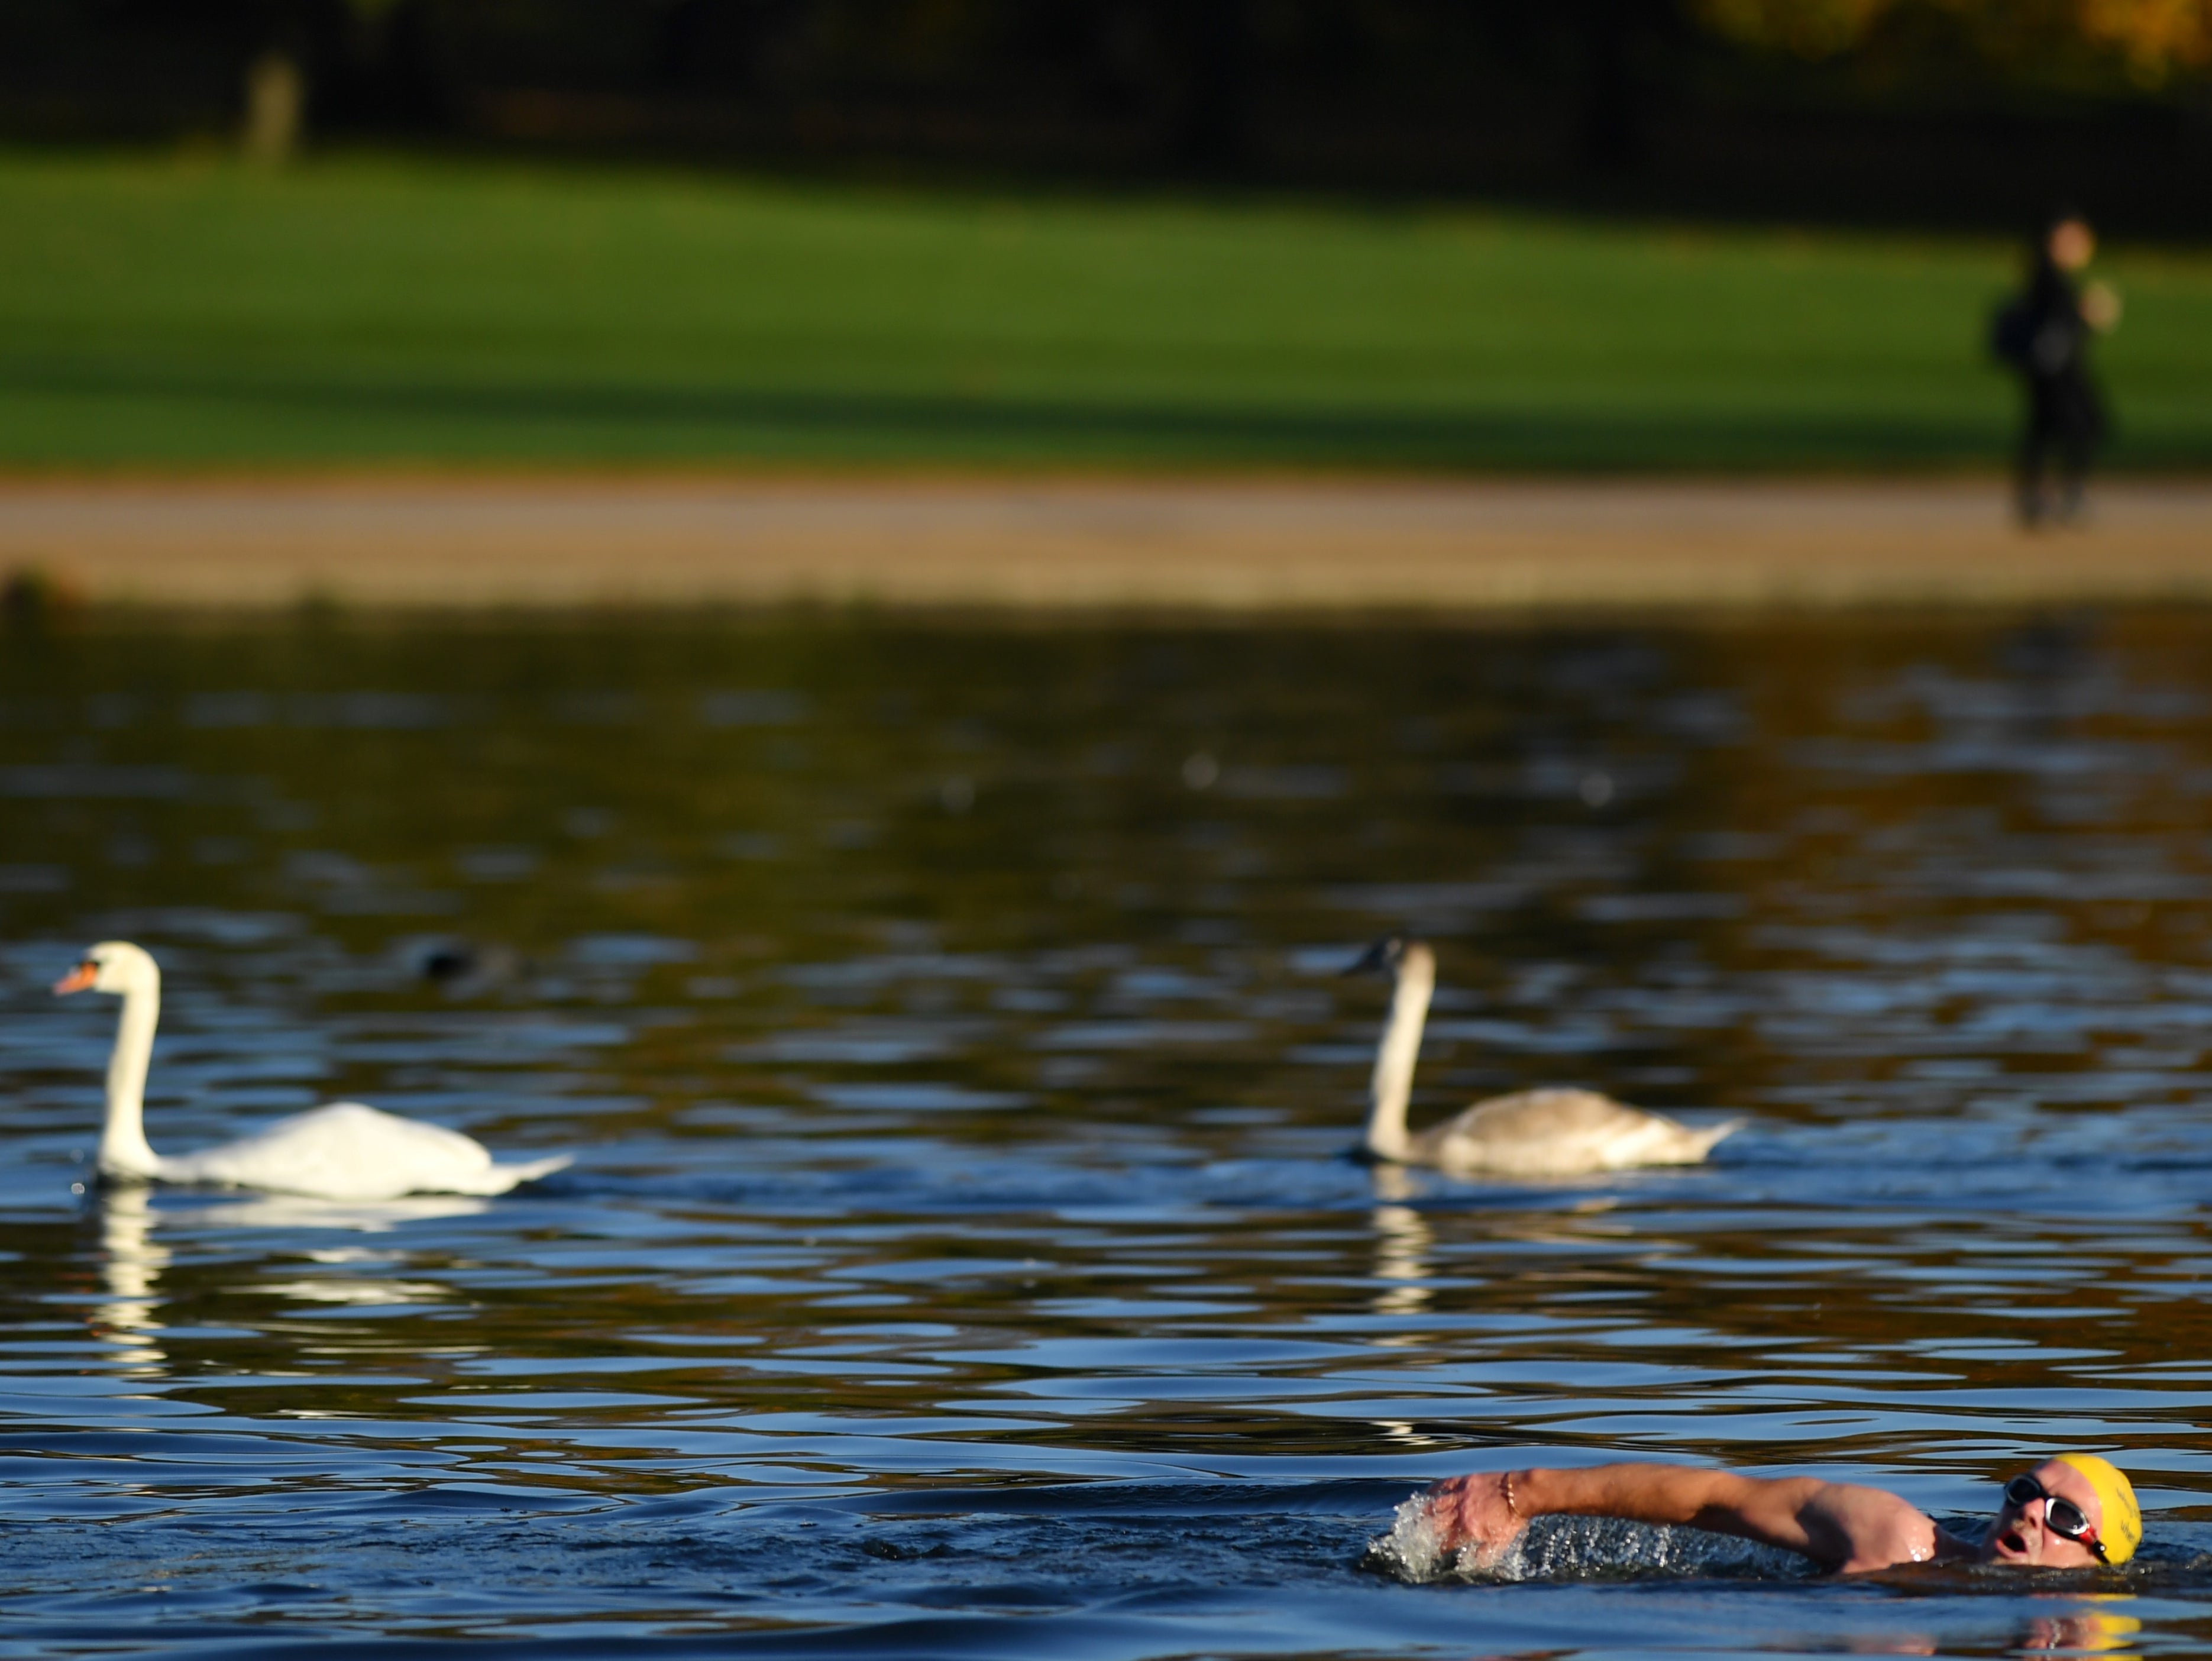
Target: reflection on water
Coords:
[[2101, 1631], [131, 1264], [297, 1211], [962, 1246], [1402, 1242]]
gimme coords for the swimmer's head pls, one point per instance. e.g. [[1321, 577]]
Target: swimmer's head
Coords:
[[2073, 1511], [2121, 1527]]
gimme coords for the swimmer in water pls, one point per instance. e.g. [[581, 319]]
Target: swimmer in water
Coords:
[[2076, 1511]]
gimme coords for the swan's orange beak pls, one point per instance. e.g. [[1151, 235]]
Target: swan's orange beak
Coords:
[[77, 980]]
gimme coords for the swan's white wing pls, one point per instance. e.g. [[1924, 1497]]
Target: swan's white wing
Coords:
[[1564, 1133], [350, 1152]]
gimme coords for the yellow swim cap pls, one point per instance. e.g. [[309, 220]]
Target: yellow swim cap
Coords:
[[2122, 1529]]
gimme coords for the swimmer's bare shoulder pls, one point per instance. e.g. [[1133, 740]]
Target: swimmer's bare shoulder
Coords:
[[1842, 1526], [1849, 1529]]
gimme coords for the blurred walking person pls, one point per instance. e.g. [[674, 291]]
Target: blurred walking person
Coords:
[[2044, 335]]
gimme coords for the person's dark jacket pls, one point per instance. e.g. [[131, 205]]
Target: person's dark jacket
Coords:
[[2044, 336]]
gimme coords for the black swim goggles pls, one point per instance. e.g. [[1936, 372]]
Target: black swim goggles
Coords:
[[2060, 1515]]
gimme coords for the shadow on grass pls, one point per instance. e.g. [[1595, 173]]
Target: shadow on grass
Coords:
[[202, 414]]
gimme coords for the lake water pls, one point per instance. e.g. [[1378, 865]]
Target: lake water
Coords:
[[960, 1258]]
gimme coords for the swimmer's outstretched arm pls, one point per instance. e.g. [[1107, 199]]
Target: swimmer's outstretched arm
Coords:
[[1835, 1524]]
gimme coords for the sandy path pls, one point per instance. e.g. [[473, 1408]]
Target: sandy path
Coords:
[[1250, 544]]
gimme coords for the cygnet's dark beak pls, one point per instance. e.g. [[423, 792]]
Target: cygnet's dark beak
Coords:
[[450, 962], [1378, 959]]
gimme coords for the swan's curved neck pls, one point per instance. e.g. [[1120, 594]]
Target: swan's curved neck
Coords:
[[123, 1148], [1393, 1085]]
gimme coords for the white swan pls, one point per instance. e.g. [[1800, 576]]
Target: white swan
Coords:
[[1530, 1133], [342, 1151]]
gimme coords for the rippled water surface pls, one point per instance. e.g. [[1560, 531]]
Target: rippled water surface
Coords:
[[960, 1257]]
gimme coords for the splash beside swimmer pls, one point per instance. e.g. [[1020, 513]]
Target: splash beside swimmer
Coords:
[[2073, 1511]]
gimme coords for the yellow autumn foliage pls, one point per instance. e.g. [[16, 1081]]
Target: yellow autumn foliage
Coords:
[[2156, 39], [1810, 28]]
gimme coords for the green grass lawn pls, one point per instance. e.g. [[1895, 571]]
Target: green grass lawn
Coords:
[[176, 312]]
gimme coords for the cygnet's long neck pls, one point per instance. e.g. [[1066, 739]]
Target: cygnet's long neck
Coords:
[[1393, 1085], [123, 1148]]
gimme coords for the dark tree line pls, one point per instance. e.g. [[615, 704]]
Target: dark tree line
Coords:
[[1871, 108]]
